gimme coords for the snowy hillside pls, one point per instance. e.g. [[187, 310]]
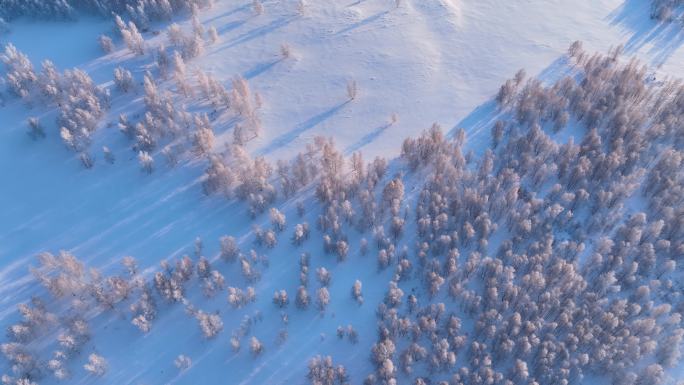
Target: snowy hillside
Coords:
[[367, 74], [434, 61]]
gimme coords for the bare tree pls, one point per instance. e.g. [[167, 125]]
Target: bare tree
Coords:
[[285, 51], [352, 89]]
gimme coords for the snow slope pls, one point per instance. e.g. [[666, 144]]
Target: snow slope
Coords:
[[429, 61], [433, 61]]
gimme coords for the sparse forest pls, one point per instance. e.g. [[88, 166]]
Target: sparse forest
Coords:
[[140, 11], [551, 255]]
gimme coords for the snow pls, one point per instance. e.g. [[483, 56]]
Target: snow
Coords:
[[428, 61], [65, 43]]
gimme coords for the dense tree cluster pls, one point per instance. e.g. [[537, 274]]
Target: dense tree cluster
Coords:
[[142, 11], [81, 103], [322, 371], [582, 282]]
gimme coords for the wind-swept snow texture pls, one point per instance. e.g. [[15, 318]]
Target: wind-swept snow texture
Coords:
[[425, 61]]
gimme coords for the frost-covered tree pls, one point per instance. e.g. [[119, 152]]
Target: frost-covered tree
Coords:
[[255, 346], [96, 365], [212, 35], [106, 43], [324, 276], [303, 300], [20, 76], [356, 292], [123, 79], [301, 233], [239, 298], [322, 371], [280, 298], [204, 135], [229, 248], [277, 219], [131, 36], [394, 295], [210, 324], [182, 362], [322, 298], [146, 162]]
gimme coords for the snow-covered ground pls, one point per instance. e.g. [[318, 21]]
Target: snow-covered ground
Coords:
[[427, 61]]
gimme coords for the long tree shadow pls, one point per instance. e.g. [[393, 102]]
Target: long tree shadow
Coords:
[[368, 138], [302, 127], [228, 13], [261, 31], [664, 37], [560, 68], [478, 123], [231, 26], [361, 23], [259, 69]]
